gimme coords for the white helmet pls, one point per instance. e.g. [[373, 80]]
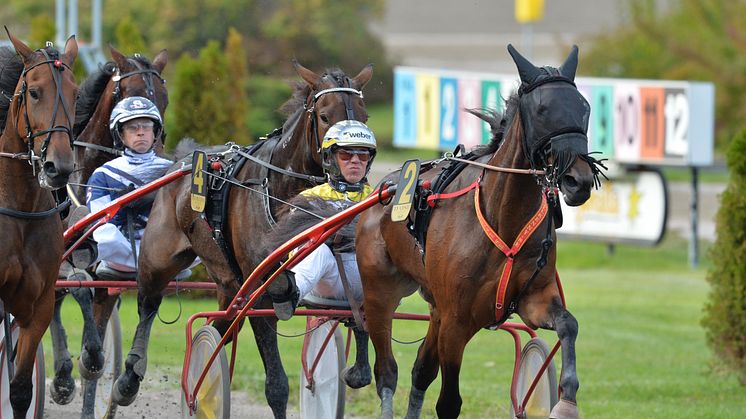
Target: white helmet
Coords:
[[132, 108], [347, 133]]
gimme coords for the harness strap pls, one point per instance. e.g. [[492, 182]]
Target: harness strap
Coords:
[[357, 313], [431, 200], [509, 252]]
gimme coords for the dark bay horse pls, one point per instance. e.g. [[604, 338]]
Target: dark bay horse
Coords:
[[455, 263], [37, 106], [176, 234], [99, 93]]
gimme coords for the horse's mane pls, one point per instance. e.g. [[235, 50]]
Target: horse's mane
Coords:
[[89, 95], [11, 67], [499, 124]]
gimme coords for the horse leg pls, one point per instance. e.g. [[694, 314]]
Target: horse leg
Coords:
[[31, 331], [276, 388], [91, 364], [425, 368], [63, 384], [384, 368], [452, 340], [567, 331], [128, 384], [359, 375]]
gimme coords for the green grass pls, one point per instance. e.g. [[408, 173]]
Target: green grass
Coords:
[[640, 351]]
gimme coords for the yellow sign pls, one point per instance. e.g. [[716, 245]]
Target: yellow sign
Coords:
[[527, 11], [405, 189], [199, 188], [428, 110]]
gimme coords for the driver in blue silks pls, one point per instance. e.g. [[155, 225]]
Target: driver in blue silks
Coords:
[[135, 124]]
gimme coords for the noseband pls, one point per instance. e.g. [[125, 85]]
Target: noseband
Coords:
[[56, 66]]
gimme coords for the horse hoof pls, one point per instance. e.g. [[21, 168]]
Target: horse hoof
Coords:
[[63, 390], [124, 391], [357, 377], [91, 367], [564, 410]]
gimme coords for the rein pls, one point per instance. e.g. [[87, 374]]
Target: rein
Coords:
[[110, 150], [535, 172], [36, 215], [314, 179]]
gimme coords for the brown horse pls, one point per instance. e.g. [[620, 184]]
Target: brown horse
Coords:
[[455, 263], [38, 120], [99, 93], [176, 234]]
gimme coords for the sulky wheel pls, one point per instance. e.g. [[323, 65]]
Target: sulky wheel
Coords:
[[325, 397], [545, 395], [214, 395], [97, 401], [36, 409]]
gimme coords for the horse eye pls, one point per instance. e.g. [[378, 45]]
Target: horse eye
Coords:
[[324, 118], [34, 94]]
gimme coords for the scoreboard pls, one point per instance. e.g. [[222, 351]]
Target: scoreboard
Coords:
[[649, 122]]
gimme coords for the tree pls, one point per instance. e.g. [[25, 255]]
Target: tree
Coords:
[[42, 30], [725, 310], [696, 40], [238, 75], [180, 121], [201, 98], [129, 39]]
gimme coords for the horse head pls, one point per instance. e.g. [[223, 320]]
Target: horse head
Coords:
[[554, 117], [44, 108], [333, 97], [136, 76]]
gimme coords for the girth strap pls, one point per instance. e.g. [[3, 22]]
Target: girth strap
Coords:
[[509, 252]]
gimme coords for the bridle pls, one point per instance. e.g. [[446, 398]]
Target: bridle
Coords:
[[56, 67], [147, 77], [310, 106]]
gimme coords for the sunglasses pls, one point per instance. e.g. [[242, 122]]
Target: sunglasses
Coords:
[[134, 127], [346, 155]]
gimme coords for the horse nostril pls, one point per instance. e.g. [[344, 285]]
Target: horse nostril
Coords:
[[50, 169]]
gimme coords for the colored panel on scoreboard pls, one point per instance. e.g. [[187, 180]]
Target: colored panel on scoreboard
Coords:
[[492, 100], [652, 128], [627, 123], [405, 110], [677, 122], [448, 113], [428, 110], [469, 126], [602, 121]]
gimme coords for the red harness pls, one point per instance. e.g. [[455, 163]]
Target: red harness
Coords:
[[510, 252]]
